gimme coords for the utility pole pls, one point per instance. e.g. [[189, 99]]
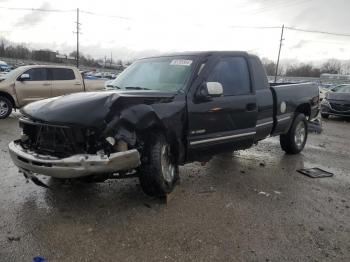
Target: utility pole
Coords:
[[279, 53], [77, 32], [110, 65]]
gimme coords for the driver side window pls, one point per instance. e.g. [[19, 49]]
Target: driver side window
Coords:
[[233, 74]]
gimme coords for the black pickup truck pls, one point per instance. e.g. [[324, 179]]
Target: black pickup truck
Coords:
[[164, 112]]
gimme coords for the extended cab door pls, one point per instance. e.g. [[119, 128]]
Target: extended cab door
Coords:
[[64, 81], [226, 122], [34, 88]]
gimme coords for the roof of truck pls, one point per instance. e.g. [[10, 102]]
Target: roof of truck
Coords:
[[50, 66], [206, 52], [201, 53]]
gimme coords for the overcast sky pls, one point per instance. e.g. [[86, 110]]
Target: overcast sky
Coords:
[[141, 28]]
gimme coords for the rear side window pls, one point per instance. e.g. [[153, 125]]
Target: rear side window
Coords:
[[37, 74], [62, 74], [260, 78], [233, 74]]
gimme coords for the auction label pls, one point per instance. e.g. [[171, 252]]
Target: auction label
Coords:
[[181, 62]]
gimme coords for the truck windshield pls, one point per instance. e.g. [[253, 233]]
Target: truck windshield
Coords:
[[163, 73]]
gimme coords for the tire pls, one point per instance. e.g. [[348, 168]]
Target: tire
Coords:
[[294, 141], [324, 115], [5, 107], [159, 175]]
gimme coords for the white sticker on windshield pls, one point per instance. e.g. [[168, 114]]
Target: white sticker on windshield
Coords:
[[181, 62]]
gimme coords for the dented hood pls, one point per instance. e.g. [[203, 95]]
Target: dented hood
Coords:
[[91, 109]]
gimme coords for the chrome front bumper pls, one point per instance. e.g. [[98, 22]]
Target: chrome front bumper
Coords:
[[74, 166]]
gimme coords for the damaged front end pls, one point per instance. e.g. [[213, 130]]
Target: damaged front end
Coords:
[[64, 151], [94, 134]]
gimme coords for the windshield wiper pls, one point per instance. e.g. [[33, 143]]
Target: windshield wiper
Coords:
[[113, 86], [136, 88]]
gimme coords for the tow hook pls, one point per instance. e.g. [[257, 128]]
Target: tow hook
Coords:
[[35, 180]]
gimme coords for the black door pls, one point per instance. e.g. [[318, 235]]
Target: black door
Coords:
[[226, 122]]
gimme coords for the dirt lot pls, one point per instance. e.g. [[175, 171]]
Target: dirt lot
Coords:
[[249, 206]]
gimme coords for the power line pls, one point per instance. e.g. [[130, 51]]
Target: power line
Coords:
[[254, 27], [278, 5], [316, 31], [37, 9], [106, 15]]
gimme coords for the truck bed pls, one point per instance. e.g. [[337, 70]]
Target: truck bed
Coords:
[[287, 98]]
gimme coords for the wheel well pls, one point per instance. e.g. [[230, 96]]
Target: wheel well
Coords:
[[305, 109], [9, 97], [169, 136]]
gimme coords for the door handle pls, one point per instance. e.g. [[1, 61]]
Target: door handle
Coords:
[[251, 107], [77, 83], [46, 84]]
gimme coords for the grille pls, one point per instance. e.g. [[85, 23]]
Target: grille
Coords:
[[60, 141], [339, 107]]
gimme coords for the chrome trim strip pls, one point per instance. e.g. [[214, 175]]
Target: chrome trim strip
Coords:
[[221, 138], [283, 119], [264, 124]]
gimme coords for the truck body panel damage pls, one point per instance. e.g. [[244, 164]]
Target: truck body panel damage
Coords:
[[67, 122], [74, 166]]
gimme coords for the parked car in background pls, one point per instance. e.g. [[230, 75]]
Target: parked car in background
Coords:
[[336, 102], [27, 84], [172, 110], [4, 67]]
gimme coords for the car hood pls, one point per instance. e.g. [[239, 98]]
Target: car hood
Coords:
[[90, 109], [338, 96]]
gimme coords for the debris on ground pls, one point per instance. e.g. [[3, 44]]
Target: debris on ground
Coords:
[[267, 194], [228, 205], [264, 193], [262, 164], [210, 190], [14, 239], [147, 205], [315, 172]]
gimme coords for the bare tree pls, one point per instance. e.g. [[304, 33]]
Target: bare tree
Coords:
[[303, 70], [332, 66]]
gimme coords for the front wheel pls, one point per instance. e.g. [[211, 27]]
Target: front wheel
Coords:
[[294, 141], [5, 107], [159, 175]]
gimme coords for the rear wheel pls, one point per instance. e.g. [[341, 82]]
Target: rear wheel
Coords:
[[5, 107], [159, 175], [294, 141]]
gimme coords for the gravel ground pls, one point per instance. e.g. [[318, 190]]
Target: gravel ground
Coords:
[[248, 206]]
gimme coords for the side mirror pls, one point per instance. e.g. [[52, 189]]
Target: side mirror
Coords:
[[210, 89], [215, 89], [24, 77]]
